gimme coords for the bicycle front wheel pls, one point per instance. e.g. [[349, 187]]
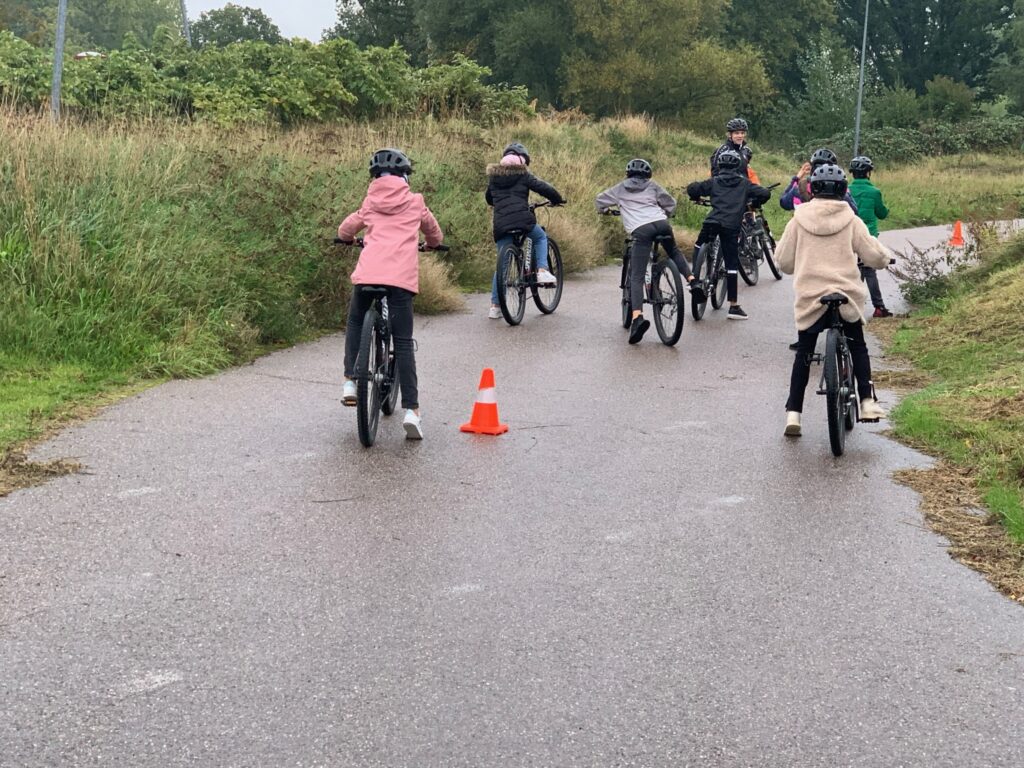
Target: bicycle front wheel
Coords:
[[370, 365], [719, 281], [835, 399], [701, 276], [511, 285], [389, 387], [748, 261], [667, 301], [767, 246], [546, 297]]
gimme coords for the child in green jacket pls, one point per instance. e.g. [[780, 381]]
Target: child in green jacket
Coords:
[[870, 208]]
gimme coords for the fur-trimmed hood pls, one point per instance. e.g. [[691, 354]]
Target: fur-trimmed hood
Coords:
[[506, 175]]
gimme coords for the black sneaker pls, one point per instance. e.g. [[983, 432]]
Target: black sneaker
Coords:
[[638, 329], [736, 313], [697, 291], [795, 346]]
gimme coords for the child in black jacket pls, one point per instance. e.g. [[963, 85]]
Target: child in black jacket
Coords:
[[730, 191]]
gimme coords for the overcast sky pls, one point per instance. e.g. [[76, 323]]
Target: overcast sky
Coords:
[[295, 18]]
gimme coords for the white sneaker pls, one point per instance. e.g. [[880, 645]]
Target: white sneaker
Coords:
[[792, 424], [546, 278], [494, 313], [413, 425], [870, 410], [348, 393]]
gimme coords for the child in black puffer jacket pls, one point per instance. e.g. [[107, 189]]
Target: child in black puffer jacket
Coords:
[[509, 184]]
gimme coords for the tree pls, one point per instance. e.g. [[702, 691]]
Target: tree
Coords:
[[782, 30], [380, 23], [104, 23], [914, 40], [1008, 74], [234, 24], [27, 19]]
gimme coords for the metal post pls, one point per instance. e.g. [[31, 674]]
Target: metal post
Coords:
[[185, 29], [860, 88], [58, 60]]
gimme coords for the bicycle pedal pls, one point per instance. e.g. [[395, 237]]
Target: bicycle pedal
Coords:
[[869, 421]]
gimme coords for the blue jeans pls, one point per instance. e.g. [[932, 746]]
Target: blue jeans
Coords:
[[540, 254]]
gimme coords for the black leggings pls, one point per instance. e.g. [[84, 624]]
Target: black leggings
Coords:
[[400, 312], [643, 239], [806, 342], [729, 239]]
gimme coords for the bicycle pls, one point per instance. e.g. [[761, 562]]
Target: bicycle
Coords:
[[709, 272], [515, 274], [663, 289], [756, 245], [376, 373]]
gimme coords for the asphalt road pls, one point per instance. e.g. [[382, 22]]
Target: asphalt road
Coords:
[[642, 572]]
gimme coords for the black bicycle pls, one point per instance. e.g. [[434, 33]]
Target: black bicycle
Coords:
[[663, 289], [516, 273], [709, 272], [756, 245], [376, 373]]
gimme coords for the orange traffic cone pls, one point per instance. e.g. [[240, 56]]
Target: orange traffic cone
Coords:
[[957, 240], [484, 420]]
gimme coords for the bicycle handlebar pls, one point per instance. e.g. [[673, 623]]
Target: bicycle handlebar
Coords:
[[611, 212], [546, 204], [422, 247]]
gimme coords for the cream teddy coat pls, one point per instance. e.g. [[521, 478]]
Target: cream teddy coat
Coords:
[[819, 248]]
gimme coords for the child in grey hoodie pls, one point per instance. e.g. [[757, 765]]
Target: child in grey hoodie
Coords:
[[645, 208]]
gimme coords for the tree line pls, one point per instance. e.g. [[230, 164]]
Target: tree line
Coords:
[[788, 65]]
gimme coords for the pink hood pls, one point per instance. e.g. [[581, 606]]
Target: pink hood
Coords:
[[393, 216]]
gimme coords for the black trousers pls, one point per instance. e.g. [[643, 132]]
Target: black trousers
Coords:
[[643, 238], [400, 312], [806, 342], [870, 276], [729, 239]]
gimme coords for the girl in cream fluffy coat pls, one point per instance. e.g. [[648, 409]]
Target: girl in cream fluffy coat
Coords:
[[820, 247]]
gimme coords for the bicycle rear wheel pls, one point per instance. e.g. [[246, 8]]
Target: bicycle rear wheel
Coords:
[[370, 364], [627, 304], [546, 297], [767, 246], [748, 261], [702, 276], [511, 285], [720, 285], [834, 397], [667, 301]]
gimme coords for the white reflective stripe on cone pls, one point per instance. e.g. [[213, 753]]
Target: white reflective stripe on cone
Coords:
[[487, 396]]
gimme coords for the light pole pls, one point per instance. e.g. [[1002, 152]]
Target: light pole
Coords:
[[185, 30], [860, 88], [58, 60]]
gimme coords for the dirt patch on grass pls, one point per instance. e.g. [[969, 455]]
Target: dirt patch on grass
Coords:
[[901, 380], [952, 506], [17, 472]]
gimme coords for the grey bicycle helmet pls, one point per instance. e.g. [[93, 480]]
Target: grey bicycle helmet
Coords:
[[729, 160], [861, 164], [736, 124], [823, 156], [828, 181], [391, 161], [515, 148], [639, 167]]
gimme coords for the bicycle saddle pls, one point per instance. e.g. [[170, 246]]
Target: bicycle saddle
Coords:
[[373, 289], [834, 298], [664, 238]]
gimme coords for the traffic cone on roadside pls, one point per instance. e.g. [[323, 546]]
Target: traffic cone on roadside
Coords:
[[484, 420], [957, 240]]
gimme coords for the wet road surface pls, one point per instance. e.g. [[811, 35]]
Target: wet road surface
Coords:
[[642, 572]]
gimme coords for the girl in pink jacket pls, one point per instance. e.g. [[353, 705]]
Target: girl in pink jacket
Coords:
[[393, 217]]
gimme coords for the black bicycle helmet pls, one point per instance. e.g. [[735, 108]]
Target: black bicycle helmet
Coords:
[[861, 164], [736, 124], [729, 160], [639, 167], [515, 148], [828, 181], [390, 160], [823, 156]]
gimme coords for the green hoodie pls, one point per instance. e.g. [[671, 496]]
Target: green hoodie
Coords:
[[870, 207]]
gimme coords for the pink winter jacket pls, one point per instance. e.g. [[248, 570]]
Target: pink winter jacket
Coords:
[[393, 216]]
